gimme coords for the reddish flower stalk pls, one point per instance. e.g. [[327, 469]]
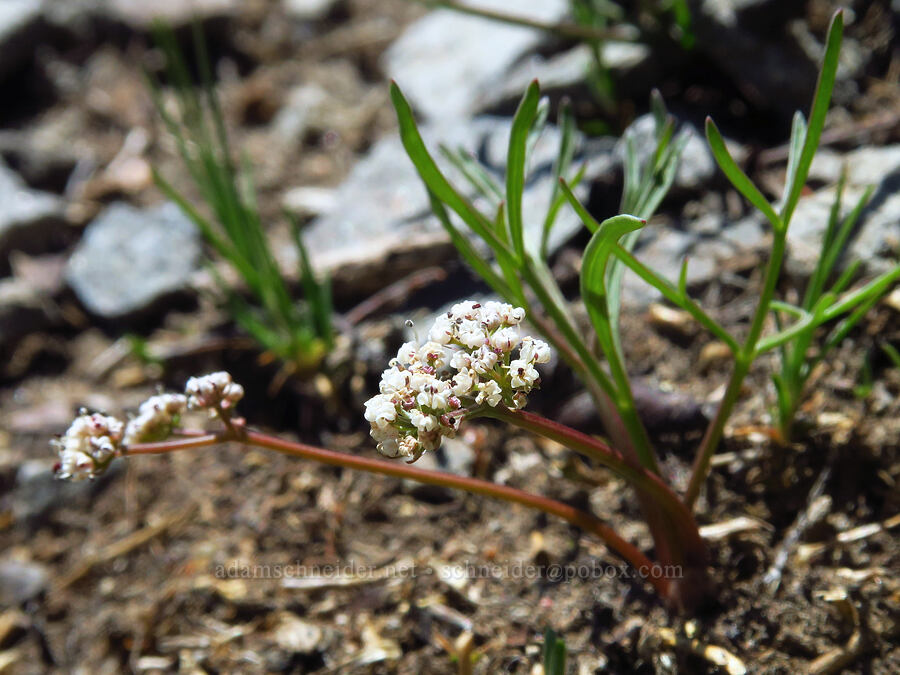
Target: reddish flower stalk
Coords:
[[193, 440]]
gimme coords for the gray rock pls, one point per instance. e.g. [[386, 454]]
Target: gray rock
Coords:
[[378, 219], [88, 20], [29, 219], [705, 253], [21, 581], [20, 26], [447, 62], [129, 259], [747, 234], [305, 105], [308, 201]]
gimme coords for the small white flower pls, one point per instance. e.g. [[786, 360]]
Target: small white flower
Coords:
[[505, 339], [442, 330], [471, 334], [461, 360], [465, 380], [466, 362], [522, 375], [408, 353], [465, 310], [88, 446], [381, 411], [434, 354], [484, 360], [156, 417], [534, 351], [422, 422], [213, 391], [490, 393], [394, 380]]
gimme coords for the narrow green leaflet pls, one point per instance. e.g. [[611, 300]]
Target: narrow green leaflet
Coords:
[[515, 164], [795, 147], [560, 170], [822, 98], [433, 178], [736, 175], [593, 267]]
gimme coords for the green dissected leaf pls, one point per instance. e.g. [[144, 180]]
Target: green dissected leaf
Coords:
[[836, 239], [515, 164], [589, 221], [735, 174]]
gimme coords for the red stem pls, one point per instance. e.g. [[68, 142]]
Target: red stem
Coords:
[[575, 516]]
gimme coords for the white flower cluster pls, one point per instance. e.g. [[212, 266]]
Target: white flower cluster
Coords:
[[156, 418], [94, 440], [216, 391], [88, 446], [466, 363]]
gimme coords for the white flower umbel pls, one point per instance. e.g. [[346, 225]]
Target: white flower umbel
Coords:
[[88, 446], [469, 361], [215, 392], [155, 419]]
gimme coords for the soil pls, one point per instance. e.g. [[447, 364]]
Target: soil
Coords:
[[161, 565]]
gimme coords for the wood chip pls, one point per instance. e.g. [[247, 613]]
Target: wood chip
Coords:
[[726, 528], [715, 655]]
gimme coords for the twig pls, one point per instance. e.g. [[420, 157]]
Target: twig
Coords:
[[395, 294], [812, 513], [837, 659]]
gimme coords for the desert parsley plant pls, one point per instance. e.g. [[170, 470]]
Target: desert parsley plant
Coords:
[[299, 334], [517, 270]]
